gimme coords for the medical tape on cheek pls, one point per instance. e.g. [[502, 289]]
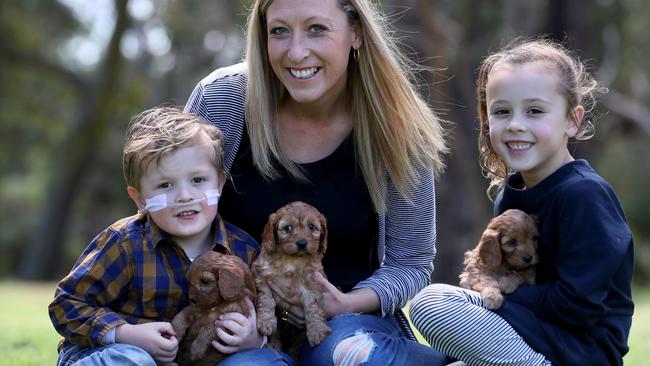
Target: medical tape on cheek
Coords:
[[213, 196], [159, 202], [156, 203]]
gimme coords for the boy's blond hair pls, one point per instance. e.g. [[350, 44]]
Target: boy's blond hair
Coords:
[[158, 131]]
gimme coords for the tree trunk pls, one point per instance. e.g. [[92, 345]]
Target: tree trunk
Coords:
[[42, 257], [459, 199]]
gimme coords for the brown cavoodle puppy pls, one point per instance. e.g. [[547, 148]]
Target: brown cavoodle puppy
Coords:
[[504, 258], [219, 284], [293, 244]]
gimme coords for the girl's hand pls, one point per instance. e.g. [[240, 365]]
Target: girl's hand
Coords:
[[157, 338], [237, 332]]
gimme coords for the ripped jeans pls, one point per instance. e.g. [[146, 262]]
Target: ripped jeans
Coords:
[[356, 339]]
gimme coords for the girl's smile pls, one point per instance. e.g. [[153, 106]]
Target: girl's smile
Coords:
[[529, 120]]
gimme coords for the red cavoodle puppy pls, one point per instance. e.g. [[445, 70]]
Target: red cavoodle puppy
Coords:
[[219, 284], [293, 244], [504, 258]]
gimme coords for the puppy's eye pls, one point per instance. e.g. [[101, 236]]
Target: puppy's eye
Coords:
[[204, 281], [288, 229], [312, 227], [511, 243]]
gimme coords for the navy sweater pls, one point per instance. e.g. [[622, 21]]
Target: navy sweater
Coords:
[[579, 312]]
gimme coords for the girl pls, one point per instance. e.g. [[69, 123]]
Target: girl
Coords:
[[532, 98]]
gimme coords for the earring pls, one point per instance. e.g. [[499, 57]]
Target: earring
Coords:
[[355, 54]]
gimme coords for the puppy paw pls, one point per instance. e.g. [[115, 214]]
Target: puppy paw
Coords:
[[267, 325], [316, 334], [492, 298]]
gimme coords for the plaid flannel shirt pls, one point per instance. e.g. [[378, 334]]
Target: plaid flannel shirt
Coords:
[[133, 273]]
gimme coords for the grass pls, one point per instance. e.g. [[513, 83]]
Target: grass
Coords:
[[28, 338], [639, 340]]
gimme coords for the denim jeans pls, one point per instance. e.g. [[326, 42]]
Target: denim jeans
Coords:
[[371, 340], [258, 357], [119, 354]]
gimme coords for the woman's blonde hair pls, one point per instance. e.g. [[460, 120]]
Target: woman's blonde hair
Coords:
[[158, 131], [395, 131], [576, 85]]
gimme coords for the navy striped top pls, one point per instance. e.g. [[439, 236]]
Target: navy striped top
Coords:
[[406, 232]]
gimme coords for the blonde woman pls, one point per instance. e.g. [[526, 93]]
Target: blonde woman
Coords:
[[323, 111]]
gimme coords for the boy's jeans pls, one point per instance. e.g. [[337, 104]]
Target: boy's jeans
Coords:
[[113, 354]]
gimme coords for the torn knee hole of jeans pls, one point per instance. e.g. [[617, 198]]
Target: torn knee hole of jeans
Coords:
[[353, 350]]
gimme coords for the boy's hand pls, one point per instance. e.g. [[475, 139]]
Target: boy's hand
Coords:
[[157, 338], [237, 332]]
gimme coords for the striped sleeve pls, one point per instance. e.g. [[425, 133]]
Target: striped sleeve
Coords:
[[220, 98], [407, 237]]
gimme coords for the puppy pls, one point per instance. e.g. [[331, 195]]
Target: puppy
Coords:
[[219, 284], [503, 259], [293, 244]]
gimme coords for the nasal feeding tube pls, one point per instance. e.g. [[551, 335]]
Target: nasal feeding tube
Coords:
[[159, 202]]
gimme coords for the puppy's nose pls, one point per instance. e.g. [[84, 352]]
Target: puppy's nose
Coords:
[[302, 244], [528, 258], [193, 300]]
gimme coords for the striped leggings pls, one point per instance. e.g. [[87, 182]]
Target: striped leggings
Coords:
[[455, 321]]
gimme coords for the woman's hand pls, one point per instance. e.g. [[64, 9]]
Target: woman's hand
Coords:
[[295, 315], [333, 301], [237, 332]]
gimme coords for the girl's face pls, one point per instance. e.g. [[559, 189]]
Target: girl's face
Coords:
[[309, 44], [181, 182], [529, 119]]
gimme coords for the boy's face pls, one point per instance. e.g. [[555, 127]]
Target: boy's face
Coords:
[[183, 175]]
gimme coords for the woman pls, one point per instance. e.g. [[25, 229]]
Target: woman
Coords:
[[323, 111]]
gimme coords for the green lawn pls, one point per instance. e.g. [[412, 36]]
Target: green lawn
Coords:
[[28, 339]]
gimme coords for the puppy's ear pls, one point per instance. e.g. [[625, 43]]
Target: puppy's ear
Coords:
[[268, 235], [322, 248], [248, 281], [489, 249], [231, 282]]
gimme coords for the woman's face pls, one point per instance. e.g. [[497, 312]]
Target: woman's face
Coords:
[[309, 45]]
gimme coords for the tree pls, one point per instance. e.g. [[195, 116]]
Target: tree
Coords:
[[73, 156]]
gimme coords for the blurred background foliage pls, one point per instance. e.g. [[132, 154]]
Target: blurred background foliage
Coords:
[[73, 72]]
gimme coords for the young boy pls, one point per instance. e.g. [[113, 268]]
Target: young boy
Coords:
[[116, 304]]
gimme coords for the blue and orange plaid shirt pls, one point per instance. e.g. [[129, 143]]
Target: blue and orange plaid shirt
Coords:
[[133, 273]]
